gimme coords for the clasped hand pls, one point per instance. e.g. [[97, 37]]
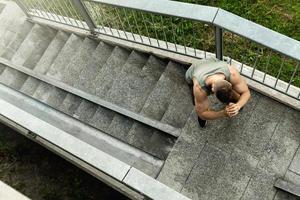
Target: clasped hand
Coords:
[[232, 109]]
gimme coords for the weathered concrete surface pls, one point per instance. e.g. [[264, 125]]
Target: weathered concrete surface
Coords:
[[238, 158]]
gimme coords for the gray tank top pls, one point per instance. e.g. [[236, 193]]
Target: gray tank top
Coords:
[[207, 67]]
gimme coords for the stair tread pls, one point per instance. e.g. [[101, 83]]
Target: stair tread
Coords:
[[65, 56], [89, 73], [70, 104], [79, 62], [164, 91], [45, 62], [179, 108], [85, 111], [108, 72], [16, 42], [136, 82], [34, 44]]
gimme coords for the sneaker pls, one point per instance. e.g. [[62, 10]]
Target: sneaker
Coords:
[[202, 122]]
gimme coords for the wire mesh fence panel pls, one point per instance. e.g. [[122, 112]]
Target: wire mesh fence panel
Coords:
[[166, 32], [61, 11], [263, 64]]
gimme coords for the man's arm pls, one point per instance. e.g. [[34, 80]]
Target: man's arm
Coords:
[[202, 105], [241, 87]]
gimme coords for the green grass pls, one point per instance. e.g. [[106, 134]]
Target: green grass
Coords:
[[282, 16]]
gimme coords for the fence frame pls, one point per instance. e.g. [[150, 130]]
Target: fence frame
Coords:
[[220, 19]]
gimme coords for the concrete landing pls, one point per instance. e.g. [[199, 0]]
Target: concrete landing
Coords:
[[239, 158]]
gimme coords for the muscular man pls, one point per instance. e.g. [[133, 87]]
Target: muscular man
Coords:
[[212, 76]]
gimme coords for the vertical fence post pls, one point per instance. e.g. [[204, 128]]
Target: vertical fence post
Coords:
[[85, 14], [23, 8], [219, 42]]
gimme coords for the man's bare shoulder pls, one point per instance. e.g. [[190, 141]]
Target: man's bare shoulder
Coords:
[[235, 76]]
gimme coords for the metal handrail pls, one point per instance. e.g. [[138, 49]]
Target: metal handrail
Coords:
[[221, 20]]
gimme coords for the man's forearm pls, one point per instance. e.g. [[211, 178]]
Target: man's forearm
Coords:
[[244, 98], [211, 115]]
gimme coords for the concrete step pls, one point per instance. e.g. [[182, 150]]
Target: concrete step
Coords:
[[65, 56], [56, 70], [85, 111], [9, 25], [179, 108], [70, 104], [30, 51], [102, 119], [97, 61], [165, 89], [127, 91], [104, 80], [150, 140], [79, 62], [16, 42], [31, 84]]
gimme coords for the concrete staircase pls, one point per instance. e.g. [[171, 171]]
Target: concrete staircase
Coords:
[[148, 86]]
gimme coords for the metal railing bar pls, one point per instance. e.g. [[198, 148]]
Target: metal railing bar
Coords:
[[169, 8], [82, 11], [255, 64], [128, 22], [137, 26], [147, 31], [184, 40], [65, 15], [117, 27], [98, 17], [194, 39], [281, 66], [105, 20], [51, 12], [64, 3], [34, 8], [120, 21], [59, 10], [23, 7], [155, 30], [77, 4], [296, 69], [163, 28], [174, 34], [267, 65]]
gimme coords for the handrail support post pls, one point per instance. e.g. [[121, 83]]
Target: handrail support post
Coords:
[[219, 42], [85, 14]]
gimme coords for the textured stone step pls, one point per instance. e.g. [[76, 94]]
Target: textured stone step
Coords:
[[165, 89], [109, 71], [31, 84], [9, 25], [79, 62], [85, 111], [136, 82], [102, 119], [34, 45], [70, 104], [89, 73], [181, 104], [16, 42], [65, 56]]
